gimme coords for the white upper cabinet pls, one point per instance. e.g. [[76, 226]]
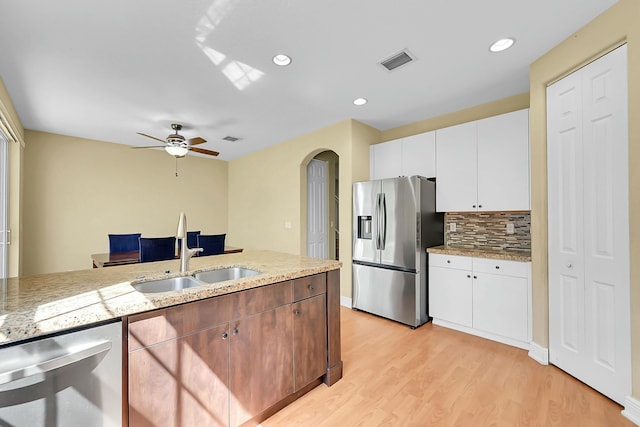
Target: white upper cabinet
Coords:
[[503, 162], [413, 155], [419, 155], [484, 165], [386, 159], [457, 166]]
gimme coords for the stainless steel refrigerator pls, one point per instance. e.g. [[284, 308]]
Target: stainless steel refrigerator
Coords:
[[394, 221]]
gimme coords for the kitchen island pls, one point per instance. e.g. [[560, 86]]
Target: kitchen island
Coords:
[[245, 336]]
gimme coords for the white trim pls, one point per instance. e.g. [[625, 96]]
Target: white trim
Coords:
[[538, 353], [632, 410], [346, 301], [483, 334]]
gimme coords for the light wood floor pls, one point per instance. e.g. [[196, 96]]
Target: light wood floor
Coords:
[[434, 376]]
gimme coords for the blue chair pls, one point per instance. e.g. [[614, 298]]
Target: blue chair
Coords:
[[157, 248], [192, 240], [212, 244], [124, 242]]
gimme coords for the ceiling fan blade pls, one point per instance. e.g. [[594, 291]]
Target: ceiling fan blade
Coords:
[[196, 141], [204, 151], [152, 137], [152, 146]]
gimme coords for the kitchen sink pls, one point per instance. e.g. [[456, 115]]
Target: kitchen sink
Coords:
[[222, 274], [165, 285]]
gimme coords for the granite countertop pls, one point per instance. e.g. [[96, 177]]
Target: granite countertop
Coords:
[[37, 305], [506, 254]]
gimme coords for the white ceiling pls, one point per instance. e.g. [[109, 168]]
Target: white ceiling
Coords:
[[108, 69]]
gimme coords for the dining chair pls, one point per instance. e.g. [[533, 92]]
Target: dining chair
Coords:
[[124, 242], [192, 240], [211, 244], [157, 248]]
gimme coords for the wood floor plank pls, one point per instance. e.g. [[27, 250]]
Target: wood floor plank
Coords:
[[434, 376]]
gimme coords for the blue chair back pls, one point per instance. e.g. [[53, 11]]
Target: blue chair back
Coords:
[[157, 248], [124, 242], [212, 244], [192, 240]]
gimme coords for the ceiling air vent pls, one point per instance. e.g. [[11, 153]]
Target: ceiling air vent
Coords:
[[230, 138], [396, 60]]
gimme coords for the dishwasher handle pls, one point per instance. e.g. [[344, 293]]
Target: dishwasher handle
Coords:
[[93, 349]]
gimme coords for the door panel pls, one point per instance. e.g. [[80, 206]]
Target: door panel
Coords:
[[399, 222], [365, 215], [587, 143], [317, 209]]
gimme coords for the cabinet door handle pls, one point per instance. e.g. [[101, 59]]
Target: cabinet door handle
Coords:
[[225, 335], [474, 206], [479, 206], [569, 265], [235, 331], [475, 277], [468, 276]]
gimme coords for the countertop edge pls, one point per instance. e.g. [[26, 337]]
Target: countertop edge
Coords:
[[507, 255]]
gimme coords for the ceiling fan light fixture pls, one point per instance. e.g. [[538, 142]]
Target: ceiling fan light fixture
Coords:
[[176, 150]]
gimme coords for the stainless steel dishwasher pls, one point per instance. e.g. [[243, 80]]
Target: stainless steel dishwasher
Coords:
[[69, 379]]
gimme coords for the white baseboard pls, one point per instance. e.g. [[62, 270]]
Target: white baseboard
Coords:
[[632, 410], [539, 353], [346, 301], [494, 337]]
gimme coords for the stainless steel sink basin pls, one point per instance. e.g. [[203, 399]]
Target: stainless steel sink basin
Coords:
[[165, 285], [222, 274]]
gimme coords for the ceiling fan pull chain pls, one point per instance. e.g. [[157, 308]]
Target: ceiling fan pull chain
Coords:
[[176, 166]]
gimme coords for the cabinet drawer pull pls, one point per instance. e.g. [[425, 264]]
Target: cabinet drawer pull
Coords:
[[569, 265], [296, 312], [448, 261], [497, 267], [311, 287], [225, 335]]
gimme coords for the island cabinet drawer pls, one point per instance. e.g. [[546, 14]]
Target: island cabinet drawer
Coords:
[[501, 267], [259, 300], [450, 261], [306, 287], [155, 326]]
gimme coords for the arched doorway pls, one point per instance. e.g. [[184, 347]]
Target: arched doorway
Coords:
[[323, 202]]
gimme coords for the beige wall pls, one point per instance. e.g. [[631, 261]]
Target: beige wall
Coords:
[[616, 25], [268, 188], [76, 191], [12, 127]]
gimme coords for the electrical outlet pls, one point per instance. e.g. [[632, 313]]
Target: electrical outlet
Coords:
[[452, 226], [510, 228]]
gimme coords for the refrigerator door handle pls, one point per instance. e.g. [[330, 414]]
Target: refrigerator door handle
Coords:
[[383, 221], [378, 221]]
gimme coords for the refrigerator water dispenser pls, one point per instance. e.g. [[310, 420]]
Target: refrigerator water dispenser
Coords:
[[364, 227]]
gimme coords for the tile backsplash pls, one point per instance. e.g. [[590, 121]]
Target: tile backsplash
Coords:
[[488, 230]]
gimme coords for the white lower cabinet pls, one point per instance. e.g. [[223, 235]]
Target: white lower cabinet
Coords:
[[481, 296]]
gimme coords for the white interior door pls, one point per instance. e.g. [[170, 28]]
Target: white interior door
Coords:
[[587, 143], [4, 198], [317, 214]]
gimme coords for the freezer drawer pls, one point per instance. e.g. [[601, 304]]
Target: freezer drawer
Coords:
[[396, 295]]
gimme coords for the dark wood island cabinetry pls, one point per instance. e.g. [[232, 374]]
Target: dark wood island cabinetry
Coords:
[[233, 359]]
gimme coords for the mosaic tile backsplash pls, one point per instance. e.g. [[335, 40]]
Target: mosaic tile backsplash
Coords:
[[488, 230]]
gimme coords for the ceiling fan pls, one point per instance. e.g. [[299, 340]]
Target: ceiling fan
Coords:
[[177, 145]]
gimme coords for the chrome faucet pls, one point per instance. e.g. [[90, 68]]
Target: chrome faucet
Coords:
[[185, 252]]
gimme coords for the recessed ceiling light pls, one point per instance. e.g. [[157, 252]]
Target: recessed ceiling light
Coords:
[[359, 101], [282, 60], [502, 44]]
